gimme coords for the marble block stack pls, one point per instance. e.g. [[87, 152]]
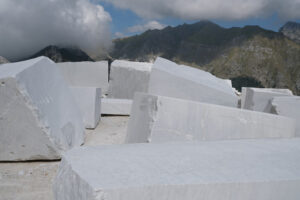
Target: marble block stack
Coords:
[[126, 78], [186, 137], [87, 80]]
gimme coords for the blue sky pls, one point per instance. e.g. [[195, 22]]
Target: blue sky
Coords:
[[122, 19]]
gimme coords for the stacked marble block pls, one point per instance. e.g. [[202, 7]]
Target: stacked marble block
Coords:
[[39, 118], [288, 106], [259, 99], [276, 101], [88, 81], [193, 143], [126, 78]]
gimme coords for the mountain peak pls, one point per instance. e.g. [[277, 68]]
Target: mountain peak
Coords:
[[292, 31], [63, 54], [291, 25]]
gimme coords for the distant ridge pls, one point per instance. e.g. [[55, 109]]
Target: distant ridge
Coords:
[[60, 54], [250, 55]]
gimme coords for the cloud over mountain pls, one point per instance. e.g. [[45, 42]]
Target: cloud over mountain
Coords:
[[27, 26], [210, 9], [151, 25]]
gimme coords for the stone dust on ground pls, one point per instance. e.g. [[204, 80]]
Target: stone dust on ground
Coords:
[[33, 180]]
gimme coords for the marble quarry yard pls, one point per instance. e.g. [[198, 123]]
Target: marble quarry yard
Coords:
[[132, 130]]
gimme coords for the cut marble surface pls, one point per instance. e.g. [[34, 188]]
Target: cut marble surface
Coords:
[[227, 170], [259, 99], [127, 78], [116, 106], [39, 118], [289, 107], [86, 74], [158, 119], [184, 82]]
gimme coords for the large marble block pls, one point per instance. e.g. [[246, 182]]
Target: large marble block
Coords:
[[39, 118], [89, 102], [158, 119], [219, 170], [86, 74], [115, 106], [259, 99], [289, 107], [179, 81], [127, 77]]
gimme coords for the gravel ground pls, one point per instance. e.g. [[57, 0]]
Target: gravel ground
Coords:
[[33, 180]]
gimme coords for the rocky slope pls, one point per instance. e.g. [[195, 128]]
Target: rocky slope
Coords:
[[292, 31], [251, 56], [59, 54], [3, 60]]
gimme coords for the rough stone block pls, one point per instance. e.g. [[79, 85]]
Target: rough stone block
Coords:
[[289, 107], [163, 119], [116, 106], [259, 99], [39, 118], [127, 77], [89, 101], [220, 170], [179, 81], [86, 74]]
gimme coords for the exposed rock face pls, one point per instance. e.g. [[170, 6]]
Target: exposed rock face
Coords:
[[3, 60], [269, 58], [292, 31], [59, 54]]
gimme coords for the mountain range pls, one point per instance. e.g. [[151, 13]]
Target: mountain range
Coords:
[[250, 56]]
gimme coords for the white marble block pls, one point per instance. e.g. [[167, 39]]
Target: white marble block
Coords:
[[115, 106], [179, 81], [163, 119], [89, 101], [86, 74], [127, 77], [259, 99], [219, 170], [39, 118], [289, 107]]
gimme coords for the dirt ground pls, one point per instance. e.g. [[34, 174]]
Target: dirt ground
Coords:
[[33, 180]]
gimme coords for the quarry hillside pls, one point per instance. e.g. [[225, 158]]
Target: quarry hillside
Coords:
[[249, 56]]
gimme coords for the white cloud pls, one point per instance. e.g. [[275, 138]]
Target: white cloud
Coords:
[[119, 35], [152, 25], [27, 26], [210, 9]]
